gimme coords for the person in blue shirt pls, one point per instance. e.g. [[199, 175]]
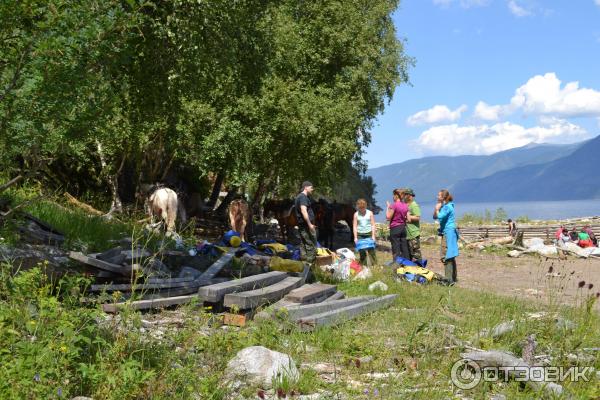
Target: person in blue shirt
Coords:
[[444, 213]]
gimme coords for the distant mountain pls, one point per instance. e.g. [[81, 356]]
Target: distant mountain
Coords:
[[426, 176], [573, 177]]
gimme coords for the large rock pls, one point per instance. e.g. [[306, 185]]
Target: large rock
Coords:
[[260, 366]]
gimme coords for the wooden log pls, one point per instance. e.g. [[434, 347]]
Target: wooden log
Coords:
[[128, 287], [336, 296], [307, 293], [258, 297], [295, 312], [216, 293], [501, 359], [118, 269], [340, 315], [221, 263], [239, 319], [86, 207], [148, 304], [108, 254]]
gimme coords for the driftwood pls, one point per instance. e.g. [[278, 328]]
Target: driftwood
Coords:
[[86, 207], [501, 359]]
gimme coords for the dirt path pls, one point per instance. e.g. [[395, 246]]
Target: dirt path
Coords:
[[527, 277]]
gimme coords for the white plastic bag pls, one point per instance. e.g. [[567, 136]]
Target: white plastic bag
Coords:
[[341, 270], [346, 253]]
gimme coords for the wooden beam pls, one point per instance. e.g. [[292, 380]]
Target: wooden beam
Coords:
[[336, 296], [340, 315], [221, 263], [308, 293], [86, 207], [295, 312], [148, 304], [82, 258], [258, 297], [216, 293]]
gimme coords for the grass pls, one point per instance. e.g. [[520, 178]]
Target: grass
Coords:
[[53, 346]]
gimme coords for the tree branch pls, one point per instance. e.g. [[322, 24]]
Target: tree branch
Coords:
[[17, 73]]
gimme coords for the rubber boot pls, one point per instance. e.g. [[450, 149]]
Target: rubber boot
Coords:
[[454, 271], [449, 271]]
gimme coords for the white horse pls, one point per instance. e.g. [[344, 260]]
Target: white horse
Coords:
[[164, 204]]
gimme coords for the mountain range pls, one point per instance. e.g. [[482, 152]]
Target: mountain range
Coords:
[[529, 173]]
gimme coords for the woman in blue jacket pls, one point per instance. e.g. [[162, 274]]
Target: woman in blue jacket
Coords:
[[444, 213]]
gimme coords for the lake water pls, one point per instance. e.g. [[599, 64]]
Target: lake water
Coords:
[[532, 209]]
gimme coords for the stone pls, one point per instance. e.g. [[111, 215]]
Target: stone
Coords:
[[514, 253], [378, 286], [260, 366]]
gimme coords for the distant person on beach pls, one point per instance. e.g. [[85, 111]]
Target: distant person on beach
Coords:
[[444, 213], [364, 228], [562, 236], [512, 228], [592, 235], [584, 240], [397, 215], [574, 234], [413, 226]]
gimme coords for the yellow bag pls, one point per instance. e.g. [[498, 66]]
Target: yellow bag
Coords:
[[275, 247], [420, 271], [282, 264], [323, 251]]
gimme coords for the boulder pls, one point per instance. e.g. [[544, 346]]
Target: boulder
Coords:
[[378, 286], [260, 366]]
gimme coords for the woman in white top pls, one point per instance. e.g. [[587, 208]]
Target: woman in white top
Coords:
[[364, 228]]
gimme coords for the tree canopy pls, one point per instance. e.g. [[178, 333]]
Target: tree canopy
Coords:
[[265, 93]]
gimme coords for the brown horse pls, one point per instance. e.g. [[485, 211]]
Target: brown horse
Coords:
[[284, 212]]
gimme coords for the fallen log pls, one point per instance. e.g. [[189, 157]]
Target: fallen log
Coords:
[[86, 207], [338, 316]]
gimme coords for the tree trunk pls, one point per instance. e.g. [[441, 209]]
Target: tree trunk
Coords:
[[214, 195], [221, 210]]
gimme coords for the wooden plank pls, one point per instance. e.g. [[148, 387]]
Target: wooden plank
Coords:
[[340, 315], [258, 297], [216, 293], [127, 287], [148, 304], [294, 312], [110, 253], [82, 258], [336, 296], [307, 293], [217, 266]]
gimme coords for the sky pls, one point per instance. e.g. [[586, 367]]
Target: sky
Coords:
[[490, 75]]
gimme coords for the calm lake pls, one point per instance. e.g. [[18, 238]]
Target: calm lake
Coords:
[[532, 209]]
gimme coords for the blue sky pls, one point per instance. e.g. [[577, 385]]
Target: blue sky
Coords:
[[502, 73]]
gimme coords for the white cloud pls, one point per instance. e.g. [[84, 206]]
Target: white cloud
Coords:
[[485, 139], [597, 2], [436, 114], [518, 10], [544, 95], [486, 112]]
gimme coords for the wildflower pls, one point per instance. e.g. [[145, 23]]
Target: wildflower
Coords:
[[280, 394], [36, 377], [59, 392], [581, 284], [366, 391], [63, 348], [590, 286], [376, 392]]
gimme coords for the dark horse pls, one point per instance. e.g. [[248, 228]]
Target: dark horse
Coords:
[[327, 215]]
